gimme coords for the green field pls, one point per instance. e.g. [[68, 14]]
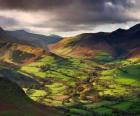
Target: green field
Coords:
[[86, 87]]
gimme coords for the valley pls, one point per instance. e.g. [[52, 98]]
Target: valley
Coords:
[[87, 87], [86, 75]]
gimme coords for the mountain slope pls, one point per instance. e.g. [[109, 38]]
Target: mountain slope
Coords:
[[118, 43], [34, 39], [17, 51], [83, 45]]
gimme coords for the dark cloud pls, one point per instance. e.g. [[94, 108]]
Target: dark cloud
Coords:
[[32, 4], [71, 15], [97, 5], [81, 14]]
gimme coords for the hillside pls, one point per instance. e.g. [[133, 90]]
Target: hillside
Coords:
[[82, 45], [118, 43], [13, 101], [17, 52], [35, 40]]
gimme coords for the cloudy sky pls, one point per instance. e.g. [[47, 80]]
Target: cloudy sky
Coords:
[[68, 17]]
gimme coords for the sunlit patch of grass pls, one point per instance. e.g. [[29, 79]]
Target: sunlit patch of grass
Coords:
[[36, 64], [33, 71], [56, 88], [30, 69], [47, 60], [57, 76], [116, 91], [64, 51], [131, 76], [110, 72], [34, 93], [39, 93], [127, 80], [128, 74]]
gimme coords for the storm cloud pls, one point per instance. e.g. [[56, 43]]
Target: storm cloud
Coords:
[[53, 4], [70, 15]]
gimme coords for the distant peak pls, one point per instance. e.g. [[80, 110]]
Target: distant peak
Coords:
[[1, 29], [119, 30], [136, 27]]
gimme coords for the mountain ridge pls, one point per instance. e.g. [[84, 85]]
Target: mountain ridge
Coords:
[[36, 40], [118, 42], [17, 51]]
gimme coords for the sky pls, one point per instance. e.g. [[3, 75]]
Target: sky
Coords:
[[68, 17]]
